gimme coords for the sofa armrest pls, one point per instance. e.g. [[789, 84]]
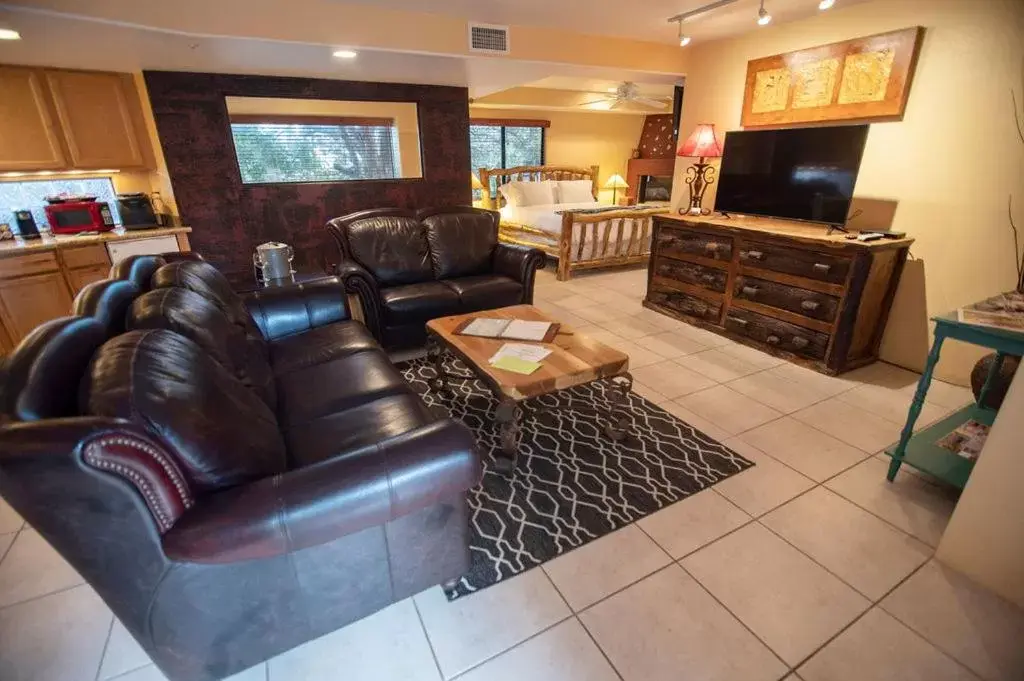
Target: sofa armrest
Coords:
[[359, 282], [288, 310], [520, 263], [316, 504]]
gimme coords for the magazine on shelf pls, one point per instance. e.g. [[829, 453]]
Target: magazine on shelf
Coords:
[[967, 440], [1005, 311]]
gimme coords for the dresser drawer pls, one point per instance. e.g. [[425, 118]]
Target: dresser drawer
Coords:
[[820, 266], [691, 273], [85, 256], [782, 335], [799, 300], [678, 301], [694, 243]]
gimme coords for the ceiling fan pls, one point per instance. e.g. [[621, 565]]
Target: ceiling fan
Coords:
[[628, 93]]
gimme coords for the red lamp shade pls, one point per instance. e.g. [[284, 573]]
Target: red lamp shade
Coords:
[[701, 142]]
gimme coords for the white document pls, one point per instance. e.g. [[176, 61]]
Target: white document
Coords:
[[488, 328], [530, 353], [524, 330]]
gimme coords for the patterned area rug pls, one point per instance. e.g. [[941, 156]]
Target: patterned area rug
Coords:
[[573, 484]]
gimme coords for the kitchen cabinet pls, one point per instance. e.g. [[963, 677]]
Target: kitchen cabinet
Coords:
[[39, 279], [60, 119], [28, 301], [29, 139]]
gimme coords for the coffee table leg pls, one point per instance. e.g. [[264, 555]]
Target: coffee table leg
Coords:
[[507, 416], [435, 353], [620, 416]]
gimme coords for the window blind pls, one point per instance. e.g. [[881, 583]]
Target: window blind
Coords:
[[283, 150]]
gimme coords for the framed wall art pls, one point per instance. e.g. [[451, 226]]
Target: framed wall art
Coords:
[[864, 79]]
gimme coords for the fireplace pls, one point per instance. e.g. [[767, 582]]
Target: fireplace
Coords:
[[654, 188]]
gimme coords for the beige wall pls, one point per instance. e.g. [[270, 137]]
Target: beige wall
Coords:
[[582, 139], [951, 163], [404, 113], [985, 536]]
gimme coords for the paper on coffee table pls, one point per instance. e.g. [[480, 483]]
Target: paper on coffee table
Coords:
[[529, 353]]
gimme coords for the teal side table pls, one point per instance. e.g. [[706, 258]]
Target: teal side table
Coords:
[[919, 450]]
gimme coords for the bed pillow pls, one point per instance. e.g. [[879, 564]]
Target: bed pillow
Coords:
[[513, 197], [536, 193], [575, 191]]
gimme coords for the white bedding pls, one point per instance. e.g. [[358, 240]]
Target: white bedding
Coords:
[[546, 219]]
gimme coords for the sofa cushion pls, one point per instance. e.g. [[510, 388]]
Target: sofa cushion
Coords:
[[320, 345], [337, 385], [393, 248], [221, 433], [366, 424], [206, 280], [417, 303], [200, 320], [461, 244], [486, 292]]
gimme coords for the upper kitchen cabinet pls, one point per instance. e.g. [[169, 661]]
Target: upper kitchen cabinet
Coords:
[[29, 139], [99, 118]]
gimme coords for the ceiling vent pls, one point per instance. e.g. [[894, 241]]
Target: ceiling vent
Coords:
[[488, 38]]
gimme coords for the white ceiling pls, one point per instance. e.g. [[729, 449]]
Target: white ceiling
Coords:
[[651, 85], [642, 20]]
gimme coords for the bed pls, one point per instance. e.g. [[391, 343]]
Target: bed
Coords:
[[579, 232]]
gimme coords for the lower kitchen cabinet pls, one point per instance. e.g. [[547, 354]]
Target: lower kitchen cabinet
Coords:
[[28, 301]]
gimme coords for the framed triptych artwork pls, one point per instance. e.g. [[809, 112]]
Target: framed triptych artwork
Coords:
[[864, 79]]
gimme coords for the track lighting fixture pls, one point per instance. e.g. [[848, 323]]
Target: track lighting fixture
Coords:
[[763, 18], [684, 39]]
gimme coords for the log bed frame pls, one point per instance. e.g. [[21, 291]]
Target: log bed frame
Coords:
[[632, 227]]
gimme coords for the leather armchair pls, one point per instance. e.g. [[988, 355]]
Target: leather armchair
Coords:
[[410, 267], [161, 463]]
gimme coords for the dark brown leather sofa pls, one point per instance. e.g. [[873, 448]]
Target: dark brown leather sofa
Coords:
[[410, 267], [232, 477]]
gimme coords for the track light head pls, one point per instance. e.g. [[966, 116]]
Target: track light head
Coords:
[[763, 18], [826, 4]]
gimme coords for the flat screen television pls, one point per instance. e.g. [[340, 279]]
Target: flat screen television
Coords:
[[797, 173]]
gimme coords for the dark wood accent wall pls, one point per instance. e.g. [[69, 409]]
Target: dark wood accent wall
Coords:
[[230, 219]]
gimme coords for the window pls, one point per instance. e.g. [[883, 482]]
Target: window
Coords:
[[505, 144], [31, 195], [315, 149]]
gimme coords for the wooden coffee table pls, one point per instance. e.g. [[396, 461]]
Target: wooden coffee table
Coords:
[[575, 360]]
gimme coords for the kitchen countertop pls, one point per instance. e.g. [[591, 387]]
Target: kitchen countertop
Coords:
[[54, 241]]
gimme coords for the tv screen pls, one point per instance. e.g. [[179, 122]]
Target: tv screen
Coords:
[[799, 173]]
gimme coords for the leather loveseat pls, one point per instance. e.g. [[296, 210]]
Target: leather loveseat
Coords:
[[410, 267], [232, 477]]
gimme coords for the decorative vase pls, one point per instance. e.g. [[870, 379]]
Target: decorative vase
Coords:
[[1000, 384]]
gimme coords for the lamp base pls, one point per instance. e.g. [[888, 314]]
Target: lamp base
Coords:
[[698, 177]]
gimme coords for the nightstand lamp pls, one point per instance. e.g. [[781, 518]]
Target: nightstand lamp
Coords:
[[702, 143], [615, 183]]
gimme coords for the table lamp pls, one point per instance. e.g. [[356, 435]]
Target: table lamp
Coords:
[[477, 184], [615, 183], [701, 143]]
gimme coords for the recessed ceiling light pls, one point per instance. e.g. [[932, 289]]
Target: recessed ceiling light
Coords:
[[826, 4], [612, 89], [9, 34], [346, 54]]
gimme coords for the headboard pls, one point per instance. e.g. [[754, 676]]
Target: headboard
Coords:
[[531, 174]]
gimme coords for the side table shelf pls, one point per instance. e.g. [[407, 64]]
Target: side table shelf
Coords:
[[919, 449]]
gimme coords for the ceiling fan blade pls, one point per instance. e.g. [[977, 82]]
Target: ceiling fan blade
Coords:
[[647, 101], [597, 101], [616, 104]]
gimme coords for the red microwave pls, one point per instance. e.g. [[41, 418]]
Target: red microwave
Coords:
[[73, 217]]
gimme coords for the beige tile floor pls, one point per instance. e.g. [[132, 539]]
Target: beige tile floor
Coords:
[[807, 566]]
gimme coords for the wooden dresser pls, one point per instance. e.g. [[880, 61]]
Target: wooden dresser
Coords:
[[783, 287]]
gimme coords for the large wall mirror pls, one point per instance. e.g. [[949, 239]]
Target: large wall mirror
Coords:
[[281, 140]]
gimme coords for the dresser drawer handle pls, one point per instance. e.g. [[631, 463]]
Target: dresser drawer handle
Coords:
[[773, 340], [810, 305], [712, 246], [749, 291], [741, 322], [822, 267], [710, 278], [800, 342], [755, 255]]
